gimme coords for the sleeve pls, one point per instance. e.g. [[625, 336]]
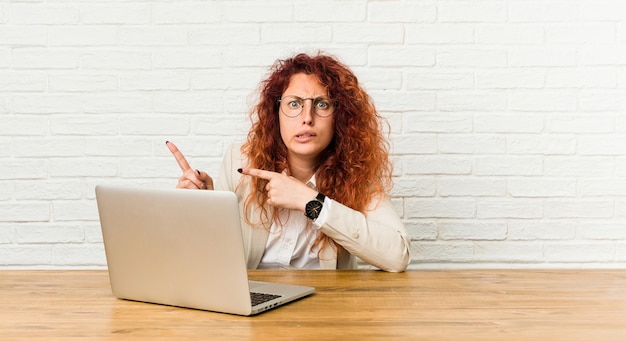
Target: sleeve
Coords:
[[377, 237], [228, 177]]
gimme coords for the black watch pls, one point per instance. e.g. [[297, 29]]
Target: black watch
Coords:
[[314, 207]]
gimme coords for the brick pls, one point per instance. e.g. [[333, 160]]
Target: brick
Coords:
[[508, 165], [602, 101], [470, 101], [40, 233], [127, 14], [602, 231], [579, 252], [580, 123], [439, 34], [541, 187], [475, 11], [547, 56], [83, 83], [42, 147], [471, 143], [27, 211], [225, 33], [119, 146], [404, 101], [22, 82], [187, 13], [26, 255], [602, 145], [508, 252], [471, 186], [187, 103], [542, 100], [510, 208], [333, 11], [401, 56], [114, 103], [186, 58], [155, 80], [367, 33], [418, 231], [82, 167], [23, 36], [588, 166], [48, 189], [602, 10], [437, 164], [472, 231], [439, 80], [164, 35], [428, 123], [37, 14], [595, 33], [84, 125], [440, 208], [406, 12], [541, 144], [23, 126], [79, 254], [542, 11], [293, 33], [45, 58], [574, 208], [116, 60], [541, 230], [83, 36], [508, 34], [14, 169], [509, 123], [414, 187], [414, 144], [241, 11], [471, 57], [510, 79], [585, 78]]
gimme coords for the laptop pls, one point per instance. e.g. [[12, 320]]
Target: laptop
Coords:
[[182, 248]]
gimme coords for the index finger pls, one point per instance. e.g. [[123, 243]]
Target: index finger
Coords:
[[263, 174], [180, 158]]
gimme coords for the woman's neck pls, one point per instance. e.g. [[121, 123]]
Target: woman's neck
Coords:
[[302, 170]]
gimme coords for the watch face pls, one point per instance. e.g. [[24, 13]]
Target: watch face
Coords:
[[313, 209]]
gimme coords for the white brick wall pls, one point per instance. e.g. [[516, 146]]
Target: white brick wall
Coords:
[[508, 117]]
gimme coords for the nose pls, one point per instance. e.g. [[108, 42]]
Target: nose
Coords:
[[307, 113]]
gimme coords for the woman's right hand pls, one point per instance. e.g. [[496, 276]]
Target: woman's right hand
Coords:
[[191, 179]]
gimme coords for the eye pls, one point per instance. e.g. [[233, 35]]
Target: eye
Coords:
[[293, 104], [322, 104]]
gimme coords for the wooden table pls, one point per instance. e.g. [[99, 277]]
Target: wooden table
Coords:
[[348, 305]]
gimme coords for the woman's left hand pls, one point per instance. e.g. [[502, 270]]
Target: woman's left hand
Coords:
[[283, 190]]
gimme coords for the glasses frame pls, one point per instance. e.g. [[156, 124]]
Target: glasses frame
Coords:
[[315, 100]]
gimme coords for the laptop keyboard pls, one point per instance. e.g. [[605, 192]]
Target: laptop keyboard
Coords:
[[258, 298]]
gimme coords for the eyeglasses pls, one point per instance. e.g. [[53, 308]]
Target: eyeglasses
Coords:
[[291, 106]]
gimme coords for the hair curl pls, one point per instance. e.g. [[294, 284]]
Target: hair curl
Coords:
[[353, 169]]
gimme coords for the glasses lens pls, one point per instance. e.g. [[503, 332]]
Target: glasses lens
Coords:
[[291, 106], [323, 106]]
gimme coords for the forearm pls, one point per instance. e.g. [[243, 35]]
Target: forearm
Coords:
[[378, 238]]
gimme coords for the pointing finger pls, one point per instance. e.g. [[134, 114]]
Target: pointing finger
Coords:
[[180, 158], [263, 174]]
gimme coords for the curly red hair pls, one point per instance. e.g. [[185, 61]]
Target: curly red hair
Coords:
[[354, 168]]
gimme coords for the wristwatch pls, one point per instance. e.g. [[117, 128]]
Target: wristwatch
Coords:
[[314, 207]]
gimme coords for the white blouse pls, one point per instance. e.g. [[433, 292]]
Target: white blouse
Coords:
[[290, 245]]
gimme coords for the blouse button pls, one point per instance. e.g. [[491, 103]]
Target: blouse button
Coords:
[[355, 235]]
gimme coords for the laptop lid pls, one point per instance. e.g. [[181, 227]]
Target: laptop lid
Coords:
[[182, 248]]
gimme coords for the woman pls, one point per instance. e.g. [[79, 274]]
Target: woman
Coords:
[[313, 176]]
